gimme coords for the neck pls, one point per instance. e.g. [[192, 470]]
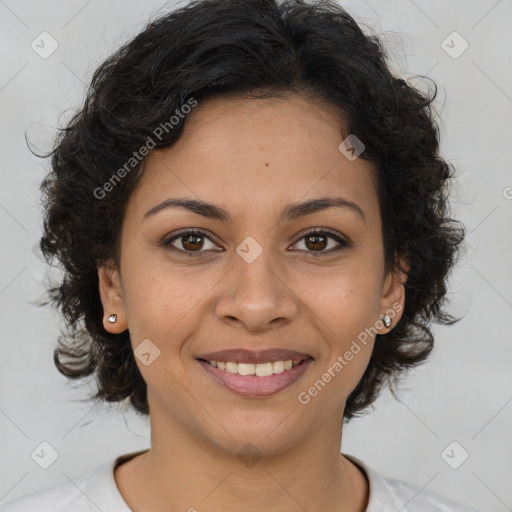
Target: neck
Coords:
[[190, 473]]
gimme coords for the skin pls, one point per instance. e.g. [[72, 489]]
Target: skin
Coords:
[[252, 158]]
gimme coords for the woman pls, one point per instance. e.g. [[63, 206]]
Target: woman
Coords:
[[251, 214]]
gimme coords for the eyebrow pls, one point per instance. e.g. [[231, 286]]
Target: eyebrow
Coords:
[[291, 212]]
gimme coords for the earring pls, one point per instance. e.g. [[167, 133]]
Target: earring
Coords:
[[387, 320], [112, 318]]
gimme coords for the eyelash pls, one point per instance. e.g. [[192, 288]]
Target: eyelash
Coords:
[[344, 244]]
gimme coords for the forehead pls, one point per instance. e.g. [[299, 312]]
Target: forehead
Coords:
[[249, 154]]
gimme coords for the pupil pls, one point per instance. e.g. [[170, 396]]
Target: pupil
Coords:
[[192, 239], [315, 239]]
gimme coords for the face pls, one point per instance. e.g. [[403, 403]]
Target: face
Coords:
[[253, 278]]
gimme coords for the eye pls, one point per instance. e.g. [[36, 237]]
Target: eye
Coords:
[[317, 240], [191, 241]]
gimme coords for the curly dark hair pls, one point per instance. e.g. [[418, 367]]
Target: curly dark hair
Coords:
[[245, 47]]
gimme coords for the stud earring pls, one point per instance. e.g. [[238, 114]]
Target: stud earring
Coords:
[[112, 319], [387, 320]]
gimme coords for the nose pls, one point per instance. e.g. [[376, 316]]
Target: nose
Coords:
[[257, 295]]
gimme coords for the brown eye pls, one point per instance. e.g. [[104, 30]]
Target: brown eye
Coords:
[[189, 242], [317, 241], [192, 242]]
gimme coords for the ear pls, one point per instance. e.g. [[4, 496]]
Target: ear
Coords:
[[111, 295], [393, 295]]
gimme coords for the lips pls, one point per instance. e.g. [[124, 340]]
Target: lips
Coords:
[[240, 355], [252, 386]]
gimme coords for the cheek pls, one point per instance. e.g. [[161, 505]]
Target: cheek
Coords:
[[346, 300], [161, 314], [348, 346], [346, 315], [161, 304]]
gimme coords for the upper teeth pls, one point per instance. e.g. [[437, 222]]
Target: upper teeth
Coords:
[[260, 369]]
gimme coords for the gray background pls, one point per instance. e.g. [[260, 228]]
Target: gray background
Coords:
[[462, 394]]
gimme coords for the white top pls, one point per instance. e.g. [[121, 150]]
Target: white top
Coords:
[[98, 491]]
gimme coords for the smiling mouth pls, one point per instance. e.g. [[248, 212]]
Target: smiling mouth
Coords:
[[258, 369], [255, 380]]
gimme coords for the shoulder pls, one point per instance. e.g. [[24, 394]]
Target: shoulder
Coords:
[[83, 494], [415, 499], [390, 494]]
